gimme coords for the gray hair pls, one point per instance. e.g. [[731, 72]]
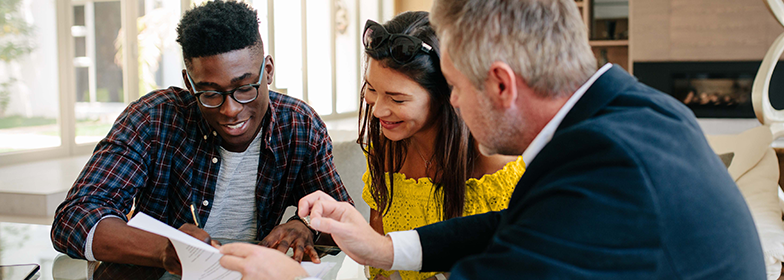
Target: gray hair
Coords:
[[544, 41]]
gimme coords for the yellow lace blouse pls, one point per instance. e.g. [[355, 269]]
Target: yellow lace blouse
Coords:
[[414, 204]]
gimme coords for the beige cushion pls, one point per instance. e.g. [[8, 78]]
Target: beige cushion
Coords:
[[754, 168], [727, 159], [350, 163]]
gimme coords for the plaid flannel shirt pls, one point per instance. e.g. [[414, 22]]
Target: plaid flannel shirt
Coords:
[[162, 153]]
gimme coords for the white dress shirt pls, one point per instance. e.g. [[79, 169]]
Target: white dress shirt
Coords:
[[406, 244]]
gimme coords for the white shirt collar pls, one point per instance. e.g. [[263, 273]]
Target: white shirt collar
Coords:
[[547, 132]]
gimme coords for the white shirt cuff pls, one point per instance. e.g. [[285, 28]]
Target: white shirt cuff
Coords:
[[408, 250], [88, 244]]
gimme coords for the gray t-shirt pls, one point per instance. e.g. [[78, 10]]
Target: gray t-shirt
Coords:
[[233, 214]]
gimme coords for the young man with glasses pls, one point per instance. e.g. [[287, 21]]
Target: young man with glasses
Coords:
[[220, 160]]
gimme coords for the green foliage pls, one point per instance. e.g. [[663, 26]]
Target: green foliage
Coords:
[[11, 51], [12, 21], [15, 43], [88, 127], [20, 121], [102, 95], [5, 94], [15, 32]]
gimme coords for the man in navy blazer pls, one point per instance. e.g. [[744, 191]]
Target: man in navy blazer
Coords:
[[620, 182]]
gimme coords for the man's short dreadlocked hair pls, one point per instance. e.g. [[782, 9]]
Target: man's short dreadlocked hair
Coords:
[[218, 27]]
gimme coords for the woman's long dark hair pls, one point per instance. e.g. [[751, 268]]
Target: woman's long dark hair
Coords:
[[455, 152]]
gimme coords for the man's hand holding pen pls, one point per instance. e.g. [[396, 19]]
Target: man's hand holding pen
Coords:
[[293, 234], [169, 257]]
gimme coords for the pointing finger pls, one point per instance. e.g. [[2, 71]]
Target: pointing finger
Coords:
[[303, 209]]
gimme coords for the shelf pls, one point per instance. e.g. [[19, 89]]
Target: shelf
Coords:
[[609, 43], [614, 51]]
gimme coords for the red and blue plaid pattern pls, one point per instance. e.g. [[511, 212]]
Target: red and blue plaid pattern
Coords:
[[162, 152]]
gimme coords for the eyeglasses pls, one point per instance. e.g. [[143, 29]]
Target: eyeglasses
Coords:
[[243, 95], [402, 48]]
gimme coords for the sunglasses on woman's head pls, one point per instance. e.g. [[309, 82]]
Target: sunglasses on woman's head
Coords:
[[402, 48]]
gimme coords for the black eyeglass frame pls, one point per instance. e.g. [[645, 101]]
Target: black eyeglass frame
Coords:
[[388, 39], [227, 93]]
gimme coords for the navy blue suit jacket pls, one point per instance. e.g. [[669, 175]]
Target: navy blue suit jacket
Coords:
[[627, 188]]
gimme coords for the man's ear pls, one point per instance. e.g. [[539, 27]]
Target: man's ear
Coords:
[[270, 69], [501, 84], [186, 81]]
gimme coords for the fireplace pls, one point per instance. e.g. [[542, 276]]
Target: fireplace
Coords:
[[710, 89]]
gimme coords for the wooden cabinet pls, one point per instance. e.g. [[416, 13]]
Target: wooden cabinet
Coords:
[[611, 39], [702, 30], [412, 5]]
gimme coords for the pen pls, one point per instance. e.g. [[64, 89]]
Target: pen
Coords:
[[195, 217]]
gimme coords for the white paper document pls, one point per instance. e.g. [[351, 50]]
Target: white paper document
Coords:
[[318, 270], [199, 260]]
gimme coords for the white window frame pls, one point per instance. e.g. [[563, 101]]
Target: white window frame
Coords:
[[67, 88], [385, 12]]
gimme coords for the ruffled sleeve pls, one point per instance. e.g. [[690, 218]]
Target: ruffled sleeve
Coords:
[[493, 191]]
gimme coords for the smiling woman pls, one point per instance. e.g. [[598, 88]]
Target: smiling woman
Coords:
[[401, 105], [423, 164]]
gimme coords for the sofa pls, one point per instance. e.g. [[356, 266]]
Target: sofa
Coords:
[[753, 163]]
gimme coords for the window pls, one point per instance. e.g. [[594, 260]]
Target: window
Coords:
[[29, 92], [68, 68], [99, 59], [98, 76], [317, 49], [74, 69]]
